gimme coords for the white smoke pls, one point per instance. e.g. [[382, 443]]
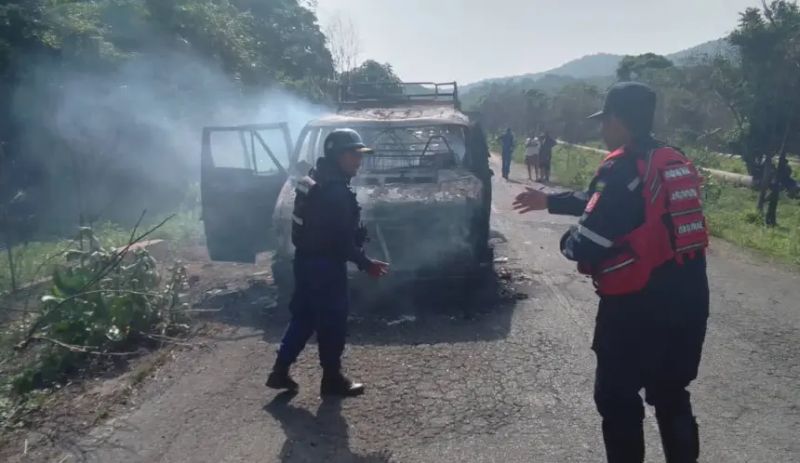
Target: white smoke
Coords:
[[133, 134]]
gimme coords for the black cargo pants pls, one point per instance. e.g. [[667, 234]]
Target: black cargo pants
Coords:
[[651, 340]]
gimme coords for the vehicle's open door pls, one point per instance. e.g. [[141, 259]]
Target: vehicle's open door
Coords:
[[243, 169]]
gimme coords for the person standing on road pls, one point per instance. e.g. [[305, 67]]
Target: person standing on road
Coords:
[[532, 146], [327, 233], [546, 155], [642, 238], [507, 150]]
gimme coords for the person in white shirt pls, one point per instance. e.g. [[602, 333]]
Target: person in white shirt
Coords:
[[532, 148]]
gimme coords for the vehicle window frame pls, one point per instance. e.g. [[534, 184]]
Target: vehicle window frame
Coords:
[[321, 132]]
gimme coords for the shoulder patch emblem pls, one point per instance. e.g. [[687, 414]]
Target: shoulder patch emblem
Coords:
[[600, 186], [592, 202]]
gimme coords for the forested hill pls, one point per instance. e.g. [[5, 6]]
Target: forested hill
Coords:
[[606, 64]]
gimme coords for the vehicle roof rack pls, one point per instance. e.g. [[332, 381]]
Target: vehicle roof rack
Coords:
[[377, 94]]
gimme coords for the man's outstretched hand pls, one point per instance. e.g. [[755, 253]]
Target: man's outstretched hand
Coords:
[[530, 200], [377, 269]]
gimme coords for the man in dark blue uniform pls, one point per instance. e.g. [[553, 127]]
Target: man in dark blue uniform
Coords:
[[507, 151], [327, 233], [650, 338]]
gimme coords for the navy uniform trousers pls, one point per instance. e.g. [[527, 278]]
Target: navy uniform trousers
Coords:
[[319, 304], [651, 340]]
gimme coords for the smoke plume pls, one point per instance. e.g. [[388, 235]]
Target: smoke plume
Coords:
[[107, 144]]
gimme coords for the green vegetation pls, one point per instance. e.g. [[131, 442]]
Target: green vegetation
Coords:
[[38, 259], [741, 99], [102, 101], [35, 260], [257, 42], [590, 66], [707, 159], [730, 210], [574, 167], [102, 304], [732, 216]]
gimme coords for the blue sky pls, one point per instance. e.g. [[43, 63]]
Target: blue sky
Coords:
[[468, 40]]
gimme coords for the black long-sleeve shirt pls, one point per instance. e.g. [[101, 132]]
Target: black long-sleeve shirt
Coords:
[[340, 220], [327, 218]]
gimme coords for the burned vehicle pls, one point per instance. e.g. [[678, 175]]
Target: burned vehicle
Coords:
[[425, 193]]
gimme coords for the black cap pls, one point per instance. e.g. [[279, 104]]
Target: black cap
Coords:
[[342, 140], [633, 103]]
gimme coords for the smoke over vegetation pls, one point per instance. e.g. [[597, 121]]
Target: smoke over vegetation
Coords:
[[131, 138], [102, 101]]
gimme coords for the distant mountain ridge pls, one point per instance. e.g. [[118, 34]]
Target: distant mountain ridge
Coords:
[[605, 64]]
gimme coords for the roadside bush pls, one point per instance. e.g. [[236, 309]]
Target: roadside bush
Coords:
[[102, 302], [38, 259]]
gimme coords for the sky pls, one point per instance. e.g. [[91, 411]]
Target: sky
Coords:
[[470, 40]]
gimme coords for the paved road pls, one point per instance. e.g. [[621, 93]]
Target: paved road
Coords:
[[512, 385]]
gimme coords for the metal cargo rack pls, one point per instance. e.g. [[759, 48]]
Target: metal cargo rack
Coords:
[[376, 94]]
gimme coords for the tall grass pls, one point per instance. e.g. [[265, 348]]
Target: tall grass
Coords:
[[574, 167], [37, 259], [731, 213]]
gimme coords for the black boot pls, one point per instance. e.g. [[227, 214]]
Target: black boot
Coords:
[[335, 383], [279, 378], [624, 442], [680, 438]]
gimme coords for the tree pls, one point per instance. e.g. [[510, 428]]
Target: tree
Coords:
[[372, 71], [372, 79], [344, 42], [94, 55], [768, 40], [537, 104], [632, 67], [571, 105]]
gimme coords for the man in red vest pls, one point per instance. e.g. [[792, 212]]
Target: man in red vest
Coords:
[[642, 238]]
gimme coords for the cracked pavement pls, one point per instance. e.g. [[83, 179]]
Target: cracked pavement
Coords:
[[514, 384]]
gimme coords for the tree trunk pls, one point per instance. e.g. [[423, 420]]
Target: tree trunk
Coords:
[[771, 218], [764, 183], [775, 190]]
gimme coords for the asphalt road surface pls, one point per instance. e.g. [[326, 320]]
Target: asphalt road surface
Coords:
[[513, 384]]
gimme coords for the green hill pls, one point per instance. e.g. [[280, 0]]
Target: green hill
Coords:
[[598, 67]]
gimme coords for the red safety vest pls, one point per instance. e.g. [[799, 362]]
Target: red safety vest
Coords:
[[674, 226]]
